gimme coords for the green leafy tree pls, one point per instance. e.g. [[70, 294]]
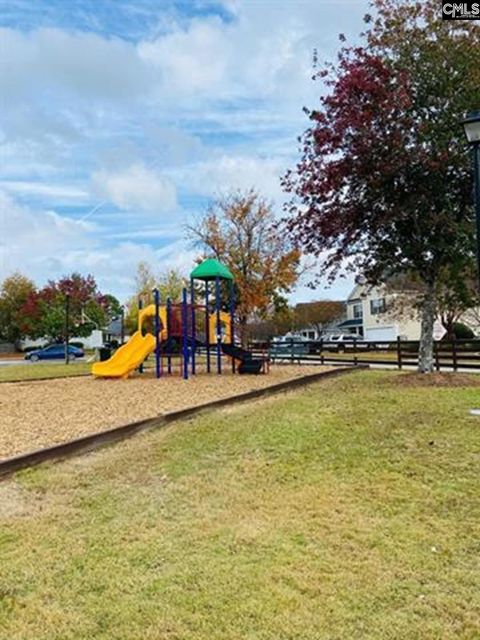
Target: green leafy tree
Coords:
[[318, 314], [169, 284], [14, 292], [111, 306], [384, 184]]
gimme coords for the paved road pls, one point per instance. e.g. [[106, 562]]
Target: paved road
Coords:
[[7, 362]]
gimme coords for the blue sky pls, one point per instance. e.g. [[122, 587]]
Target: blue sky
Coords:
[[121, 119]]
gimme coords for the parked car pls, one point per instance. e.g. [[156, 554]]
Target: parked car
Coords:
[[342, 341], [54, 352], [290, 346]]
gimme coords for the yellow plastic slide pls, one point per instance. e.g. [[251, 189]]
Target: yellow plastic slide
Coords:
[[127, 358], [133, 353]]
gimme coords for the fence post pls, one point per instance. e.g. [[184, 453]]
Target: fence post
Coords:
[[435, 350], [140, 307], [355, 359], [454, 353], [184, 316], [158, 356], [322, 357], [399, 352]]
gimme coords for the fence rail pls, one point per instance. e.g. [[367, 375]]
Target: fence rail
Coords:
[[450, 355]]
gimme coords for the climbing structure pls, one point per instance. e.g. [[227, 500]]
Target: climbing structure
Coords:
[[184, 330]]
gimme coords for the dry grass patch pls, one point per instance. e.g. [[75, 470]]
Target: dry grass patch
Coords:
[[438, 379]]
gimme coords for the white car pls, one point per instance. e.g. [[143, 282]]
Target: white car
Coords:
[[342, 341]]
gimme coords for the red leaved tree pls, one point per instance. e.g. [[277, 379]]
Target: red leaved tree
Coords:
[[44, 310], [384, 183]]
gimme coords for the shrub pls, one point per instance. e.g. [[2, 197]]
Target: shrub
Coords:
[[462, 332]]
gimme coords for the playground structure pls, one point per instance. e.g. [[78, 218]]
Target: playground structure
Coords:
[[184, 330]]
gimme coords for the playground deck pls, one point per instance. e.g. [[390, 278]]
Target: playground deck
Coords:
[[39, 414]]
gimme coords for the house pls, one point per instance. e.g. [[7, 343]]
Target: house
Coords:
[[373, 314], [318, 318], [115, 331]]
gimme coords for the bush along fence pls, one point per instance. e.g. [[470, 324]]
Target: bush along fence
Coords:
[[449, 355]]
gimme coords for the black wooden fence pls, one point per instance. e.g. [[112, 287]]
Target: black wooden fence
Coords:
[[449, 355]]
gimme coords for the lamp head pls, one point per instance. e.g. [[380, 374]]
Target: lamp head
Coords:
[[471, 126]]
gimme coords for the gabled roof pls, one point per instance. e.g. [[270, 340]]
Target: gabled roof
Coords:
[[114, 328], [210, 270], [354, 322]]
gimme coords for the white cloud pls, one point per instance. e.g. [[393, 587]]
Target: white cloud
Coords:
[[229, 172], [215, 103], [136, 187], [190, 61], [37, 62], [30, 238], [61, 193], [114, 268], [44, 245]]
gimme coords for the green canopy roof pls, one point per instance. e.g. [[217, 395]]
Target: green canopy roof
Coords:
[[211, 269]]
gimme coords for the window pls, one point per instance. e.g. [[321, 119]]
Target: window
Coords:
[[358, 311], [377, 306]]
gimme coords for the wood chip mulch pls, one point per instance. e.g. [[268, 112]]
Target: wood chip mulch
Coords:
[[34, 415]]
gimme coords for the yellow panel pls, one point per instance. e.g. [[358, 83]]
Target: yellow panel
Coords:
[[224, 320]]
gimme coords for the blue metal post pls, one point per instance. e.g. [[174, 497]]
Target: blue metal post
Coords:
[[184, 334], [193, 332], [158, 365], [218, 327], [169, 327], [207, 327], [232, 317], [140, 307]]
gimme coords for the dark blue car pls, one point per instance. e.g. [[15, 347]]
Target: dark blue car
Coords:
[[54, 352]]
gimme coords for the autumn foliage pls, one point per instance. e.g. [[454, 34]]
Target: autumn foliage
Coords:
[[384, 184], [240, 231], [43, 312]]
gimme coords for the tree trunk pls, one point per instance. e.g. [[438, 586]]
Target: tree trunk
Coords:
[[242, 329], [425, 351], [448, 320]]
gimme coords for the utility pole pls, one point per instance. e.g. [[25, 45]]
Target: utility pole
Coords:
[[67, 326]]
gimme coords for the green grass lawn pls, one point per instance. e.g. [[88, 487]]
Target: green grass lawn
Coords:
[[349, 510], [34, 371]]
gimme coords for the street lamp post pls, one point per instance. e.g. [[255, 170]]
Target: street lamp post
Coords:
[[122, 325], [67, 327], [471, 125]]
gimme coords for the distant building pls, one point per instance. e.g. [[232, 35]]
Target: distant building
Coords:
[[373, 314], [113, 331]]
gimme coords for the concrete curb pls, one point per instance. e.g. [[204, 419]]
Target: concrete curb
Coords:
[[110, 436]]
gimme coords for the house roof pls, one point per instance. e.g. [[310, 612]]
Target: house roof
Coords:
[[114, 328], [354, 322], [210, 270]]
